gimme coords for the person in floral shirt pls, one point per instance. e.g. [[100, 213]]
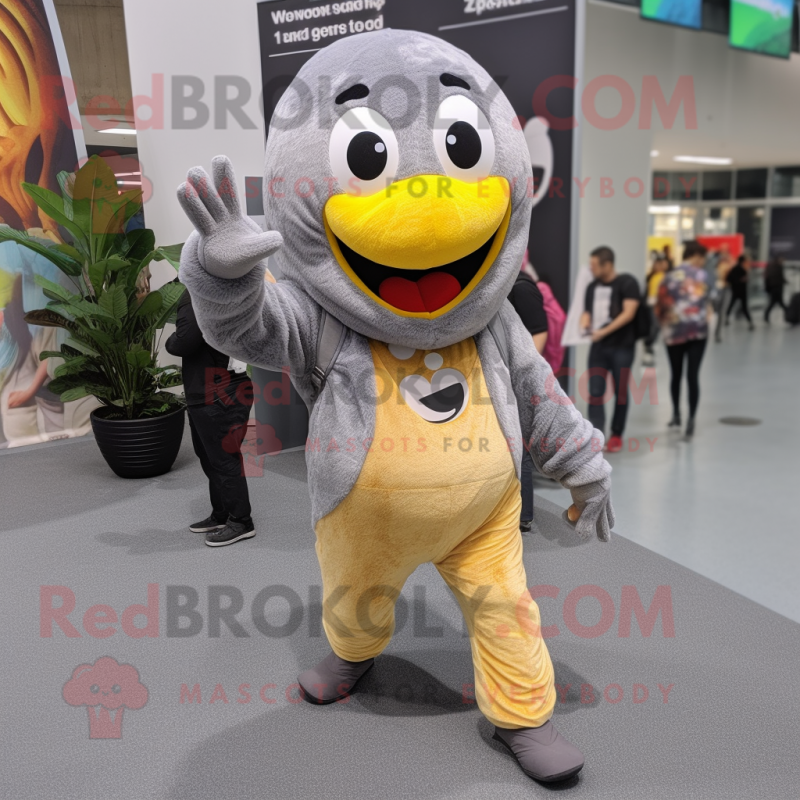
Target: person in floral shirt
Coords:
[[682, 312]]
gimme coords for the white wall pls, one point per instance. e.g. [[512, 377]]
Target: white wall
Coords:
[[202, 39]]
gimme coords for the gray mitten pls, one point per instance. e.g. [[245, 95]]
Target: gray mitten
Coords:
[[228, 243], [593, 501]]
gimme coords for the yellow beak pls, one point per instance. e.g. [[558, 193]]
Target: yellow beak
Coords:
[[429, 222]]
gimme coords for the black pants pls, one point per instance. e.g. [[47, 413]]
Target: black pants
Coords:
[[526, 479], [742, 298], [775, 299], [692, 353], [217, 434], [719, 310], [655, 328], [607, 360]]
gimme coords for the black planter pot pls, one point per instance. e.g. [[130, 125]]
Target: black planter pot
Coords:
[[139, 448]]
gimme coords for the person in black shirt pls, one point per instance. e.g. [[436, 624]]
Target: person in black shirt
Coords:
[[219, 401], [529, 305], [737, 280], [612, 300]]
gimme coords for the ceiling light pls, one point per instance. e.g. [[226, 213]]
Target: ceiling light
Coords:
[[123, 131], [664, 209], [653, 153], [704, 160]]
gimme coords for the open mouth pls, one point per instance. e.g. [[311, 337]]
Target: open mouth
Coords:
[[417, 290], [419, 255]]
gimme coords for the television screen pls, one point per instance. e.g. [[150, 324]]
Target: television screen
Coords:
[[687, 13], [762, 26]]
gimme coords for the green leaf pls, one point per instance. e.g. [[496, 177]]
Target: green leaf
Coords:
[[171, 253], [168, 381], [48, 318], [83, 390], [172, 293], [81, 347], [115, 302], [151, 256], [50, 354], [83, 309], [54, 288], [100, 338], [52, 295], [97, 276], [69, 250], [151, 304], [66, 181], [65, 382], [99, 207], [138, 359], [133, 205], [104, 392], [74, 394], [138, 244], [65, 263], [116, 263], [60, 309], [71, 367], [53, 206]]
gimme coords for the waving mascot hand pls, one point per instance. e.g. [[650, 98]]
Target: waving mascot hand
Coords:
[[393, 320]]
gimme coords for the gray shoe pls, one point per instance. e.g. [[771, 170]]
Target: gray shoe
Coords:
[[232, 532], [332, 679], [542, 753]]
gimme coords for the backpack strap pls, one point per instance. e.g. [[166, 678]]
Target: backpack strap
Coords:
[[497, 328], [332, 334], [329, 344]]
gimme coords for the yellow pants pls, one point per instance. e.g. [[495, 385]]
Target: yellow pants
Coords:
[[369, 545]]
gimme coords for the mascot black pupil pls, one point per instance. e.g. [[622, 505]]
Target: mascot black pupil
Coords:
[[366, 156], [463, 145]]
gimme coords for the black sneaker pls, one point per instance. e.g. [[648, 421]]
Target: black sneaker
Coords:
[[232, 532], [525, 525], [207, 525]]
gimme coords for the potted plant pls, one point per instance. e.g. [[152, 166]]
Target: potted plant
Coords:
[[113, 320]]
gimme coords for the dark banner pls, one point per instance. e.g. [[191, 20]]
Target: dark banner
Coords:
[[784, 238], [524, 45]]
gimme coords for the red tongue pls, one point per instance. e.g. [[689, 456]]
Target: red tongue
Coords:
[[429, 293]]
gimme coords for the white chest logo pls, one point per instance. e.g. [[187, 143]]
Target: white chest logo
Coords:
[[443, 398]]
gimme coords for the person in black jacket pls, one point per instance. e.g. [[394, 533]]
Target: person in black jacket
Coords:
[[529, 305], [219, 401], [774, 281]]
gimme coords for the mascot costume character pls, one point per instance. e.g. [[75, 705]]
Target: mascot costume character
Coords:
[[398, 246]]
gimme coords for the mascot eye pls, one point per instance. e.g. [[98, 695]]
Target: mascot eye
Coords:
[[463, 139], [366, 156], [463, 145], [364, 152]]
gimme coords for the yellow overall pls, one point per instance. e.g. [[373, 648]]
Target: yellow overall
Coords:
[[444, 493]]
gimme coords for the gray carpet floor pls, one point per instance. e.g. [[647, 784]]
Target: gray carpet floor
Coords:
[[728, 729]]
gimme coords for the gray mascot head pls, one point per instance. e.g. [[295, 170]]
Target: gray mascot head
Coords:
[[398, 175]]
